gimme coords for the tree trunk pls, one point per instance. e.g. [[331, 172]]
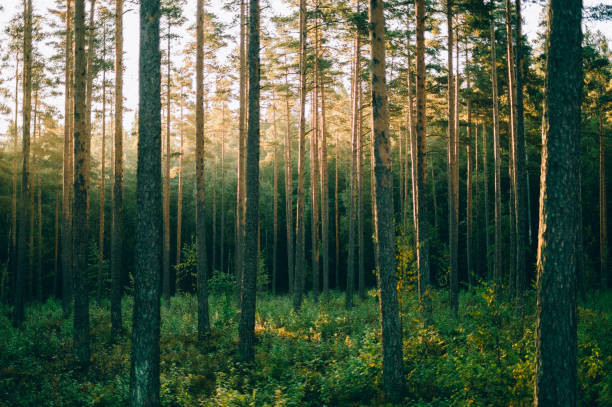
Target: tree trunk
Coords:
[[203, 317], [556, 348], [410, 152], [468, 149], [275, 192], [102, 177], [422, 216], [452, 195], [13, 252], [247, 314], [337, 218], [241, 184], [314, 169], [144, 372], [324, 193], [300, 227], [360, 208], [521, 195], [117, 215], [603, 221], [222, 223], [90, 64], [179, 197], [166, 186], [56, 245], [393, 372], [39, 272], [81, 191], [31, 278], [288, 190], [497, 265], [489, 268], [67, 252]]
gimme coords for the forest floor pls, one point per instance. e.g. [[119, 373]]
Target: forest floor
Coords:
[[322, 356]]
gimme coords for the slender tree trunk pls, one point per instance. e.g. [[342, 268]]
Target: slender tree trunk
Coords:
[[39, 272], [497, 268], [26, 184], [314, 169], [469, 186], [476, 242], [247, 314], [350, 269], [31, 278], [300, 227], [90, 64], [422, 216], [144, 372], [117, 215], [222, 223], [179, 198], [241, 184], [324, 193], [452, 195], [393, 372], [288, 191], [102, 177], [67, 252], [13, 252], [410, 152], [603, 220], [81, 191], [556, 348], [275, 208], [203, 317], [521, 195], [434, 193], [166, 185], [360, 208], [485, 170], [56, 245]]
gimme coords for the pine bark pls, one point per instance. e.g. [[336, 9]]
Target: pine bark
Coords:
[[81, 344], [393, 372], [324, 193], [422, 216], [247, 315], [469, 185], [179, 195], [117, 214], [67, 252], [603, 219], [275, 204], [300, 226], [314, 169], [26, 184], [13, 252], [144, 372], [102, 178], [203, 317], [485, 169], [166, 184], [497, 264], [241, 183], [288, 191], [556, 348]]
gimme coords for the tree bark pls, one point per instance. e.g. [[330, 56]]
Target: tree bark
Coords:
[[117, 214], [203, 317], [469, 186], [603, 220], [81, 191], [556, 348], [67, 252], [247, 315], [275, 204], [144, 372], [13, 252], [288, 190], [497, 265], [422, 215], [324, 193], [102, 177], [485, 169], [300, 227], [241, 183], [314, 168], [393, 372], [179, 198], [166, 184]]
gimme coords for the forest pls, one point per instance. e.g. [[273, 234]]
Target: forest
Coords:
[[305, 203]]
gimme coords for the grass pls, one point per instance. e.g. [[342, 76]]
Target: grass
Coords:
[[322, 356]]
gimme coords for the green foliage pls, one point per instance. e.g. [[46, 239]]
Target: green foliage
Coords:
[[186, 270], [323, 355]]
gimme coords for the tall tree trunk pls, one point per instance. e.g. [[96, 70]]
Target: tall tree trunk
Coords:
[[337, 217], [485, 169], [247, 314], [288, 190], [203, 317], [117, 215], [67, 252], [300, 226], [90, 64], [102, 177], [521, 194], [314, 168], [603, 220], [393, 372], [56, 245], [13, 252], [452, 195], [242, 123], [26, 184], [556, 348], [31, 278], [360, 208], [222, 223], [497, 265], [350, 269], [476, 264], [81, 190], [468, 149], [179, 197], [144, 372], [422, 216], [324, 192], [166, 185], [410, 152], [275, 192], [39, 272]]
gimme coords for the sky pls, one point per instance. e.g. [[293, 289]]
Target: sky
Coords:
[[531, 15]]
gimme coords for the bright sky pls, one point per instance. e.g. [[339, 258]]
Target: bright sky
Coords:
[[531, 15]]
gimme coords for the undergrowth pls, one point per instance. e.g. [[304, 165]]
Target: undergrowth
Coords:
[[321, 356]]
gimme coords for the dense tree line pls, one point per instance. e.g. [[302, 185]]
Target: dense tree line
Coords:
[[316, 97]]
